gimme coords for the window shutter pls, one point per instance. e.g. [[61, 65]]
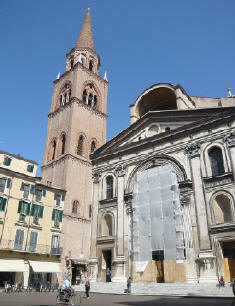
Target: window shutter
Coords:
[[41, 211], [8, 183], [55, 196], [3, 202], [33, 209], [53, 214], [19, 239], [33, 241], [32, 189], [22, 186], [63, 197], [61, 215], [44, 192], [28, 209], [20, 207]]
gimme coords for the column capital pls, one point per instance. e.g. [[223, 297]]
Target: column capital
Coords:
[[120, 170], [96, 177], [229, 139], [192, 149]]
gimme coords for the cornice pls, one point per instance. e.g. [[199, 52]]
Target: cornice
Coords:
[[80, 103], [67, 156]]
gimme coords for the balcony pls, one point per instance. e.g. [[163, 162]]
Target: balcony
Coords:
[[43, 249]]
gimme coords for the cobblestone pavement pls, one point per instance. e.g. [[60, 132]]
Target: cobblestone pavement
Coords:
[[96, 299]]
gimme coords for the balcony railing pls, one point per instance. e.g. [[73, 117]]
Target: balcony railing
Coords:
[[10, 245]]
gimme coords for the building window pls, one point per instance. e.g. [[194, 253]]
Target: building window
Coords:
[[216, 161], [7, 161], [58, 199], [95, 102], [33, 241], [63, 144], [3, 203], [54, 149], [80, 146], [109, 187], [65, 95], [93, 146], [38, 195], [30, 168], [23, 210], [19, 239], [75, 207], [90, 65], [71, 62], [90, 99], [84, 97], [3, 181], [25, 188], [158, 255], [90, 211], [57, 216], [55, 244], [107, 225], [37, 213]]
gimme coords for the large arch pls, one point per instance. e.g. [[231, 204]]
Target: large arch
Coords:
[[155, 161]]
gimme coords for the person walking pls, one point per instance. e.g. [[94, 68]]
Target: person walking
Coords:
[[129, 285], [108, 275], [87, 287]]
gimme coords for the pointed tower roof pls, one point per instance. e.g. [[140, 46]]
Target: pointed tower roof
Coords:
[[85, 38]]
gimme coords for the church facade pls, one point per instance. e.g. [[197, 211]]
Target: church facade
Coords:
[[163, 191]]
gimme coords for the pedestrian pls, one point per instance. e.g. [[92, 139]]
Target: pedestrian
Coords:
[[87, 287], [233, 286], [129, 285], [108, 275], [221, 281]]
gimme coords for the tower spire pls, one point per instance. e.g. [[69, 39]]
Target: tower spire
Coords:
[[85, 38]]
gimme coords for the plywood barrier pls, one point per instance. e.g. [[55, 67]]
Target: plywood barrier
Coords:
[[174, 272], [150, 273], [229, 269]]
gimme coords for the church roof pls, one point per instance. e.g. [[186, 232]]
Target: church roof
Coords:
[[85, 38]]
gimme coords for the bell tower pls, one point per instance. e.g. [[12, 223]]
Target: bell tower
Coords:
[[76, 127]]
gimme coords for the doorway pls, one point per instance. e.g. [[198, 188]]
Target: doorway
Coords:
[[106, 262], [228, 248]]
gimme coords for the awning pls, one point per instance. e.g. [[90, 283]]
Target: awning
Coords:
[[45, 266], [12, 265]]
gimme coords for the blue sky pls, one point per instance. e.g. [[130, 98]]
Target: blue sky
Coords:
[[140, 43]]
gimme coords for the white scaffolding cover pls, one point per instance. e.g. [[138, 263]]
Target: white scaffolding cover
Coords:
[[157, 216]]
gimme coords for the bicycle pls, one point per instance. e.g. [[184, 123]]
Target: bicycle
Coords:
[[63, 298]]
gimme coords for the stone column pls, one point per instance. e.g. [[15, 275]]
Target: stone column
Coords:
[[93, 262], [207, 271], [191, 276], [119, 261], [229, 139]]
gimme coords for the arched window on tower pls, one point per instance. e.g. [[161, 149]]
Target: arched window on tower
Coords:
[[75, 207], [63, 144], [222, 209], [61, 100], [54, 149], [80, 145], [84, 97], [71, 62], [93, 146], [90, 98], [109, 187], [107, 225], [90, 65], [95, 102], [216, 161]]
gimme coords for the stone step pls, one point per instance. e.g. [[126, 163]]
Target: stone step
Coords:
[[183, 289]]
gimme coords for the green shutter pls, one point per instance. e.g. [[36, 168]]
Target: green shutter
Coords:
[[20, 207], [63, 197], [8, 183], [22, 186], [61, 215], [28, 209], [44, 192], [33, 210], [41, 211], [53, 214], [32, 189], [3, 202]]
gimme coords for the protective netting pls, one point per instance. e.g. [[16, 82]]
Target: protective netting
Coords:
[[157, 215]]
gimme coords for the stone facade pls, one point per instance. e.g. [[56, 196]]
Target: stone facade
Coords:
[[195, 137]]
